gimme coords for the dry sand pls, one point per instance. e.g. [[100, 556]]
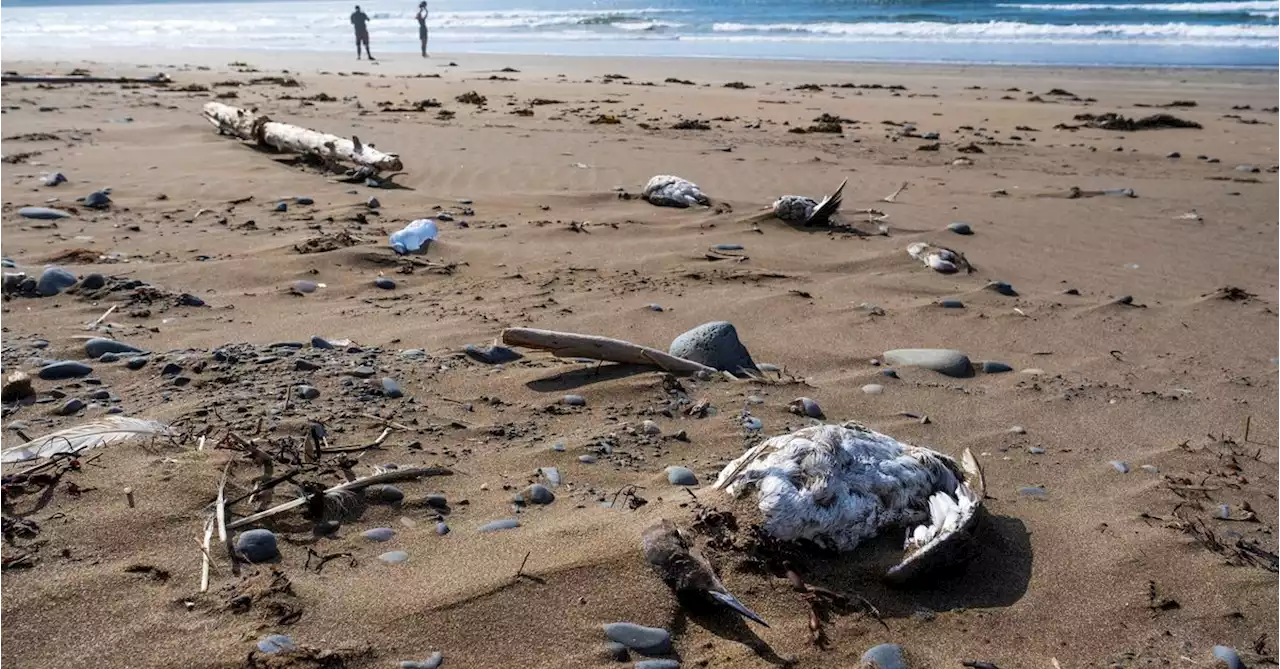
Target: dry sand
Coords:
[[1098, 573]]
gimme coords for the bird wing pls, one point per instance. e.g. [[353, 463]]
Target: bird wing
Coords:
[[827, 207]]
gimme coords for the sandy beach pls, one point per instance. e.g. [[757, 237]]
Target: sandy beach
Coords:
[[1142, 337]]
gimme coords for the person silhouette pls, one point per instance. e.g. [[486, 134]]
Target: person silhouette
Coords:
[[360, 21], [422, 26]]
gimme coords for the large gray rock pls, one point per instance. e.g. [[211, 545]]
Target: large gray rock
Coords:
[[64, 369], [884, 656], [536, 494], [641, 639], [94, 348], [257, 545], [941, 360], [714, 344], [42, 213], [677, 475], [1228, 657], [54, 280]]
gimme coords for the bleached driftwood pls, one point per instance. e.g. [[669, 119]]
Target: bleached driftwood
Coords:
[[570, 345], [293, 139], [158, 79]]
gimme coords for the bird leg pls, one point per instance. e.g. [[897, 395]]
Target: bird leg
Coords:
[[821, 601]]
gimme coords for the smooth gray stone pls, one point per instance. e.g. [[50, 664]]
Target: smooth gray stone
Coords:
[[1120, 466], [960, 228], [286, 344], [493, 355], [42, 213], [574, 400], [616, 651], [394, 557], [303, 200], [433, 662], [72, 407], [884, 656], [391, 389], [587, 459], [384, 283], [93, 281], [307, 392], [136, 362], [714, 344], [1247, 168], [536, 494], [305, 286], [61, 370], [1002, 288], [661, 663], [643, 640], [94, 348], [257, 545], [384, 493], [806, 407], [944, 361], [54, 280], [889, 372], [873, 389], [436, 501], [951, 304], [728, 247], [320, 342], [502, 524], [551, 474], [677, 475], [1035, 450], [97, 200], [304, 365], [275, 643], [373, 203], [1033, 491], [379, 534], [362, 372], [992, 367], [1229, 656], [441, 528]]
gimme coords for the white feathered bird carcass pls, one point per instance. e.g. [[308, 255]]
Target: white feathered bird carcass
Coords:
[[806, 210], [665, 190], [840, 485]]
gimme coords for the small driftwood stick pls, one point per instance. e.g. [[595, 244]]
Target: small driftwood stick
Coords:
[[893, 197], [204, 548], [293, 139], [570, 345], [396, 475], [103, 317], [157, 79]]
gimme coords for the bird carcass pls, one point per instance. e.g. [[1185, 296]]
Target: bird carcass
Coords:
[[665, 190], [257, 128], [807, 211], [840, 485]]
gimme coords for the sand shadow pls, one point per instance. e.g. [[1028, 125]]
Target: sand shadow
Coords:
[[583, 377], [725, 624]]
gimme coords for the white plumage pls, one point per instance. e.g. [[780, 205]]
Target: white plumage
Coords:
[[84, 437], [938, 258], [806, 210], [840, 485], [665, 190]]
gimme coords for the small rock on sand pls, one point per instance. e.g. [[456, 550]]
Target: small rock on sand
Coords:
[[383, 493], [502, 524], [659, 663], [137, 362], [320, 342], [379, 534], [649, 427], [873, 389], [681, 476], [72, 407], [536, 494], [944, 361], [307, 392], [1035, 491], [574, 400], [54, 280], [992, 367], [713, 344], [960, 228], [951, 304], [62, 370], [434, 662], [1002, 288], [884, 656], [257, 545], [93, 281], [394, 557], [42, 213], [805, 406], [276, 643], [587, 459], [551, 474], [644, 640], [493, 355], [1120, 466], [94, 348], [384, 283], [391, 389], [1228, 656]]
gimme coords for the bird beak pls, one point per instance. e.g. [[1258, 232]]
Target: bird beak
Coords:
[[733, 603]]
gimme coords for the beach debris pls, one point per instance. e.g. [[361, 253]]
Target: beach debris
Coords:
[[944, 361], [17, 388], [684, 569], [52, 180], [1113, 121], [893, 197], [407, 473], [331, 149], [416, 235], [938, 498], [671, 191], [158, 79], [571, 345], [939, 258], [43, 213], [803, 406], [715, 345], [83, 437], [806, 211]]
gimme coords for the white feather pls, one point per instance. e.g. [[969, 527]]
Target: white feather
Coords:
[[665, 190], [84, 437]]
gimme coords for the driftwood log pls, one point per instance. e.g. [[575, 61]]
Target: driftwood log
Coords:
[[570, 345], [156, 79], [294, 139]]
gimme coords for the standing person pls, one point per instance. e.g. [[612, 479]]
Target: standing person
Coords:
[[360, 21], [422, 26]]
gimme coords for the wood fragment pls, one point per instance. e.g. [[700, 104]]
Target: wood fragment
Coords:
[[101, 318], [571, 345], [155, 80], [204, 548], [893, 197], [386, 477], [293, 139]]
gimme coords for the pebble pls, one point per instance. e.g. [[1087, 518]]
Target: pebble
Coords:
[[305, 286], [379, 534], [373, 203], [384, 493], [1033, 491], [61, 370], [136, 363], [276, 643], [1033, 371], [728, 247], [441, 528], [54, 280], [873, 389], [282, 206], [502, 524], [493, 355], [394, 557], [170, 369], [384, 283], [951, 304], [436, 501], [97, 200], [1228, 656], [884, 656], [1173, 154], [72, 407], [677, 475], [362, 372], [661, 663], [1151, 469], [960, 228], [257, 545], [944, 361], [304, 365], [54, 179], [42, 213], [714, 344], [574, 400], [1120, 466], [805, 406], [644, 640], [100, 394], [1018, 429], [587, 459], [391, 389], [654, 307], [558, 447], [93, 281], [320, 342], [889, 372], [307, 392], [1035, 450], [1002, 288], [992, 367], [536, 494], [94, 348], [433, 662], [752, 423], [616, 651], [303, 200], [551, 474], [1247, 168]]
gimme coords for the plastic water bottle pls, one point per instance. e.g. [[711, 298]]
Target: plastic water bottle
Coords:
[[414, 236]]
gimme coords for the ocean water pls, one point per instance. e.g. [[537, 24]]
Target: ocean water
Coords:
[[1223, 33]]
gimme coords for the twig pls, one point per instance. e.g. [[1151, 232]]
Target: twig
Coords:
[[893, 197], [520, 571], [386, 422], [395, 475], [220, 513], [102, 317], [1247, 421], [204, 549]]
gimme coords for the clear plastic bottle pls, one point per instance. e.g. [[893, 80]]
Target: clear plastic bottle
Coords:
[[414, 236]]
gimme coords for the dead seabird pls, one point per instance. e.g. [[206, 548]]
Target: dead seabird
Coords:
[[839, 485], [684, 569], [807, 211], [939, 258], [665, 190]]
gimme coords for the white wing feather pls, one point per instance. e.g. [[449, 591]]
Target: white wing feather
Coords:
[[84, 437]]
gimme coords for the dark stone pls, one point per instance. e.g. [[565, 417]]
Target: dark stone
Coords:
[[54, 280], [951, 304], [93, 281], [100, 394], [384, 283], [1002, 288], [109, 357], [97, 200], [64, 369], [181, 381], [960, 228], [362, 372], [94, 348], [383, 493], [992, 367], [436, 501], [189, 300], [660, 663], [493, 355], [136, 363], [616, 651], [536, 494], [307, 392], [304, 365], [713, 344], [42, 213], [170, 369], [391, 389], [503, 524], [574, 400], [681, 476], [643, 640], [943, 361], [72, 407], [320, 342], [257, 545]]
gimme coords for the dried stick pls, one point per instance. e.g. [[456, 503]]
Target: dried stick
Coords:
[[571, 345], [893, 197], [396, 475], [204, 548], [102, 317]]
